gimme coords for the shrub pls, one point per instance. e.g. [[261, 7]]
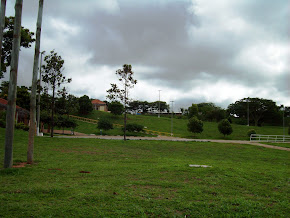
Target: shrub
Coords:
[[22, 126], [250, 132], [289, 129], [133, 127], [195, 125], [105, 124], [225, 127], [2, 123]]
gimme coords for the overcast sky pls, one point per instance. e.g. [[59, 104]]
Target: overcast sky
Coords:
[[194, 51]]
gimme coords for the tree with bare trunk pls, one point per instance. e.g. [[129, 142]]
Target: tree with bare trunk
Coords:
[[125, 76], [34, 86], [54, 77], [10, 114]]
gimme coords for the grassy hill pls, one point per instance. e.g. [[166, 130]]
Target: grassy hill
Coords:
[[163, 124]]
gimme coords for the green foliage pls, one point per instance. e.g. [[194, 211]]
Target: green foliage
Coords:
[[85, 105], [45, 117], [116, 108], [192, 111], [105, 124], [225, 127], [134, 127], [145, 106], [195, 125], [261, 111], [25, 42], [22, 126], [210, 112], [66, 122], [289, 130], [250, 132], [23, 95], [2, 123]]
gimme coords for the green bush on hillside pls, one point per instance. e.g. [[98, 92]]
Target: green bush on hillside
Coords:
[[225, 127], [133, 127], [105, 124], [195, 125], [250, 132]]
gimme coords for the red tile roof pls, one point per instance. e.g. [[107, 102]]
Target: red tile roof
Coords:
[[5, 102], [97, 101]]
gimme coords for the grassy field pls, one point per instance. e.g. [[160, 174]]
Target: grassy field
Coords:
[[106, 178], [163, 124]]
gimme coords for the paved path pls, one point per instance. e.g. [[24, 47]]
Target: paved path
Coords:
[[167, 138]]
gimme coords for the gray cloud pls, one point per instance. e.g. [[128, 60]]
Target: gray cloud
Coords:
[[178, 44]]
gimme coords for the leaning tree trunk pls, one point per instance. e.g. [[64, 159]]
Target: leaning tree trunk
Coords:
[[2, 25], [10, 116], [34, 86]]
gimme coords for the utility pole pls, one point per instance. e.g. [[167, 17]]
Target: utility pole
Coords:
[[38, 106], [159, 103], [12, 92], [34, 86], [171, 118]]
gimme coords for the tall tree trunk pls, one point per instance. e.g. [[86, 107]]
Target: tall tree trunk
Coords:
[[52, 111], [10, 115], [34, 86], [2, 26], [125, 114]]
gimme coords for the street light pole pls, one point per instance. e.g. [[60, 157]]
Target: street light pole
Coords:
[[159, 104], [38, 106], [171, 118]]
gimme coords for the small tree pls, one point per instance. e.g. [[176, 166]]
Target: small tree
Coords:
[[116, 108], [195, 125], [85, 105], [126, 78], [54, 77], [225, 127]]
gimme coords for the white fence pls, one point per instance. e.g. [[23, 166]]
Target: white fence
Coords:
[[270, 138]]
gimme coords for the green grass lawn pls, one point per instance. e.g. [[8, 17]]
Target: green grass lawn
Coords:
[[163, 124], [106, 178], [286, 145]]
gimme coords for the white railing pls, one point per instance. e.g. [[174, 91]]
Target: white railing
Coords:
[[270, 138]]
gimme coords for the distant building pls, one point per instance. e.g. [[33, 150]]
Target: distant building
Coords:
[[21, 114], [99, 105]]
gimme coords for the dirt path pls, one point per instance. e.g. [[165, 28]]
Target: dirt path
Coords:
[[167, 138]]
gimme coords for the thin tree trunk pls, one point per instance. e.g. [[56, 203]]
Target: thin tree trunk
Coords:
[[2, 26], [34, 86], [10, 116], [52, 111], [125, 114]]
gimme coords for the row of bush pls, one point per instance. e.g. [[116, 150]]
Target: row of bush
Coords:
[[105, 124]]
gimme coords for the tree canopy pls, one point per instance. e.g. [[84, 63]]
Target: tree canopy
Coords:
[[26, 42], [260, 110]]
